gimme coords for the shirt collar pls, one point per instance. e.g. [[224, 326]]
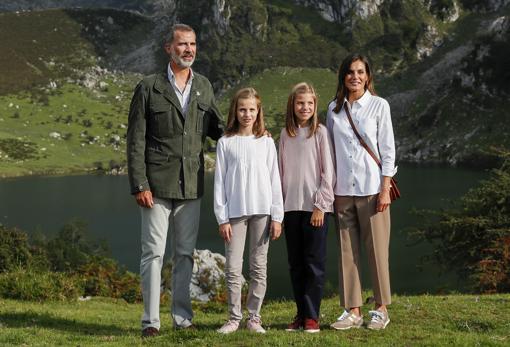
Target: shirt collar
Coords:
[[363, 101], [171, 75]]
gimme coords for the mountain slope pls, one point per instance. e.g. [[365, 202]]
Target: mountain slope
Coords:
[[442, 65]]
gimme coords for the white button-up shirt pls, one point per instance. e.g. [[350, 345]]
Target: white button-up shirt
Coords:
[[357, 172], [183, 95]]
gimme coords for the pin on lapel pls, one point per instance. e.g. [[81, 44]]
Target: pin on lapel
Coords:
[[198, 93]]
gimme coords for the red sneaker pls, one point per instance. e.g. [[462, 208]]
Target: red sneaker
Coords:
[[312, 325], [296, 325]]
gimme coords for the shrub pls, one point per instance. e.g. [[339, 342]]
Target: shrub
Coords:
[[474, 236], [65, 267], [23, 284], [18, 149], [14, 248], [103, 277], [71, 248]]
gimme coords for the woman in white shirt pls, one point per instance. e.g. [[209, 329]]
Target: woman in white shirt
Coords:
[[248, 203], [362, 196]]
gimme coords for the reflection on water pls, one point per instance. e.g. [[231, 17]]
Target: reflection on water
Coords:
[[47, 203]]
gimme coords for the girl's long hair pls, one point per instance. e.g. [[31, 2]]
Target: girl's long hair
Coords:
[[341, 91], [232, 122], [291, 121]]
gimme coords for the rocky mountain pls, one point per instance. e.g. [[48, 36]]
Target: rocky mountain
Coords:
[[442, 64]]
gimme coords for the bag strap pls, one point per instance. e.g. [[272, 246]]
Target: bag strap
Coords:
[[363, 143]]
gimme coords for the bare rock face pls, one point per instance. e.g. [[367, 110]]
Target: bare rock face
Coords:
[[497, 28], [430, 40], [221, 15], [340, 10]]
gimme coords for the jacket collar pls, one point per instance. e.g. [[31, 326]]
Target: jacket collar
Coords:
[[162, 85]]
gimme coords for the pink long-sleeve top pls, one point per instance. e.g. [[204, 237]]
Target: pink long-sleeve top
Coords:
[[307, 170]]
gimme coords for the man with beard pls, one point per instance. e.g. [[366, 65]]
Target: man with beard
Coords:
[[170, 115]]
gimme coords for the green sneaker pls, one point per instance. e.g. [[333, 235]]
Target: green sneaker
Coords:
[[379, 320], [347, 320]]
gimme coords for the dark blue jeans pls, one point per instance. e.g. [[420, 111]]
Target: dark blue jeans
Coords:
[[306, 249]]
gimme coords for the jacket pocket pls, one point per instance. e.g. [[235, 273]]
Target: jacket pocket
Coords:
[[154, 157], [202, 109], [160, 120]]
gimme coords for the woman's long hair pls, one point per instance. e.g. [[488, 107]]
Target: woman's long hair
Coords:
[[291, 122], [232, 122], [341, 91]]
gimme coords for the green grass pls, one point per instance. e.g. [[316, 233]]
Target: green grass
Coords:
[[43, 46], [459, 320], [72, 110], [85, 119]]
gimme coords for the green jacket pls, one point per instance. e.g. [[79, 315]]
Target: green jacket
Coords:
[[164, 149]]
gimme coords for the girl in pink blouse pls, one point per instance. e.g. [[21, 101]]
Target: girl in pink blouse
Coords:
[[307, 172]]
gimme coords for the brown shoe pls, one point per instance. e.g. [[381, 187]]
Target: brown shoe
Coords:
[[150, 332]]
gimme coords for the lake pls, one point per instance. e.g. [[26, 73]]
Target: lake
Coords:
[[45, 204]]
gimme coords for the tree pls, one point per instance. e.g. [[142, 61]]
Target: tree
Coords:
[[474, 236]]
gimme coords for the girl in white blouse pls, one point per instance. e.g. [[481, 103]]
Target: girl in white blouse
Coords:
[[362, 197], [247, 203]]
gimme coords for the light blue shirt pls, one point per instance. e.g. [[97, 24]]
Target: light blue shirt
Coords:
[[182, 95]]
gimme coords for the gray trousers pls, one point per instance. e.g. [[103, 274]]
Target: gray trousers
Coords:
[[257, 228], [357, 222], [182, 218]]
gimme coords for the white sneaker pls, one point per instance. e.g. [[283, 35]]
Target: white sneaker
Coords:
[[229, 327], [347, 321], [254, 324], [379, 320]]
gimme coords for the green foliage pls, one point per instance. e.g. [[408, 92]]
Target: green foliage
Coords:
[[103, 277], [474, 237], [74, 150], [43, 46], [64, 267], [71, 249], [26, 284], [14, 149], [14, 249], [264, 36]]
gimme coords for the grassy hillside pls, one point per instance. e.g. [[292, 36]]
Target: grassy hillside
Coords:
[[39, 47], [71, 128], [74, 128], [450, 107], [451, 320], [59, 111]]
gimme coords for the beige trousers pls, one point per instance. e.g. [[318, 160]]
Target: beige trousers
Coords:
[[257, 229], [357, 221]]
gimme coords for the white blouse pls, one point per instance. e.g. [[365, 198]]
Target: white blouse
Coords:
[[357, 172], [247, 181]]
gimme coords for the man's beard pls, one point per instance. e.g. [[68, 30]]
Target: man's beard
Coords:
[[181, 62]]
